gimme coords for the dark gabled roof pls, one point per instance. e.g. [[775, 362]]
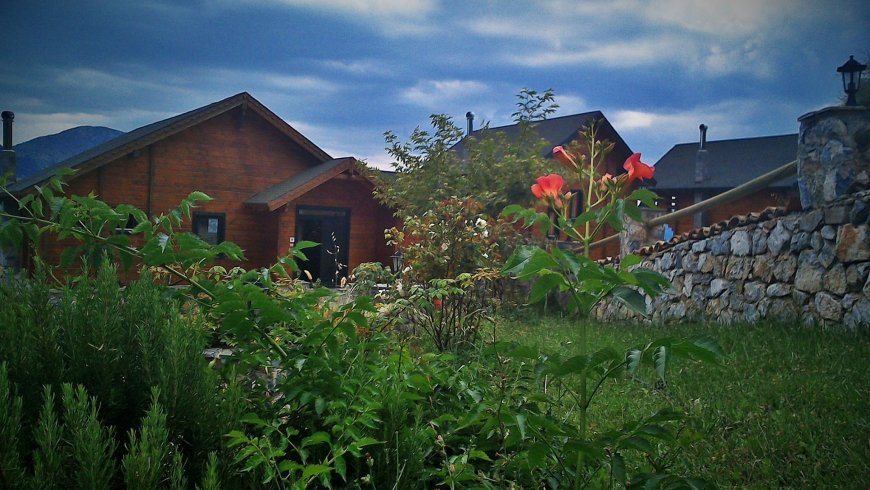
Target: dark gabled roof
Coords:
[[281, 193], [146, 135], [729, 162], [556, 131]]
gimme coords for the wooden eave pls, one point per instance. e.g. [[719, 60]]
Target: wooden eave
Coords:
[[282, 193]]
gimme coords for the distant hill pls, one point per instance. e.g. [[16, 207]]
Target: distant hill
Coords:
[[46, 151]]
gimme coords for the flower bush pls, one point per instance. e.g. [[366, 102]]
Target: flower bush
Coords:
[[452, 256], [608, 200]]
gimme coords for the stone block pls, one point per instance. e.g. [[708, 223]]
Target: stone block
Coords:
[[738, 268], [705, 263], [799, 297], [753, 291], [719, 264], [860, 213], [699, 246], [720, 245], [828, 307], [751, 313], [741, 243], [761, 268], [816, 241], [811, 220], [808, 277], [759, 241], [857, 314], [778, 238], [835, 280], [856, 275], [784, 269], [799, 241], [778, 290], [836, 215], [717, 287], [690, 262], [853, 243], [828, 232], [827, 255]]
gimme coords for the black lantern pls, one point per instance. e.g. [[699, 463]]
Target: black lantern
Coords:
[[397, 261], [851, 69]]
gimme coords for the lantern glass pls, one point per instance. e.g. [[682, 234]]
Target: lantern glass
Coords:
[[853, 69], [397, 261]]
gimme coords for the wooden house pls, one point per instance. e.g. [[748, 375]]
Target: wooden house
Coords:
[[692, 172], [272, 186]]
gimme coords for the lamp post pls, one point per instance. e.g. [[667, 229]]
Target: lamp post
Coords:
[[851, 69], [397, 261]]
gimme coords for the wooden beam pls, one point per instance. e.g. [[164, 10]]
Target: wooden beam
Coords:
[[742, 190]]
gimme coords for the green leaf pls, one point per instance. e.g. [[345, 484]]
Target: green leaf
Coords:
[[661, 359], [633, 358], [511, 210], [315, 439], [198, 196], [537, 454], [527, 261], [546, 283], [646, 196], [629, 261], [617, 463], [314, 470], [630, 298], [573, 365], [521, 425], [639, 443], [340, 466]]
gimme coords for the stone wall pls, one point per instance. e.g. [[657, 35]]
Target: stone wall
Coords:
[[809, 266]]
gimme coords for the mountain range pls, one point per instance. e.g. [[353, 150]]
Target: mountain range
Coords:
[[46, 151]]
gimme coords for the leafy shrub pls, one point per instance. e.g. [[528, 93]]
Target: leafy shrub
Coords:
[[367, 275], [453, 239], [115, 343]]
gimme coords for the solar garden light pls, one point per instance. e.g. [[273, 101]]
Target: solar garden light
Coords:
[[853, 70]]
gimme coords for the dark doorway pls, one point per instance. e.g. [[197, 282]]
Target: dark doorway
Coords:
[[330, 227]]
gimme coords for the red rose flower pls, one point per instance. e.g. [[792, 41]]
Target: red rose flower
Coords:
[[548, 187], [637, 169]]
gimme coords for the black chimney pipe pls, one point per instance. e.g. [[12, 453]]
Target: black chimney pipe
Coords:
[[469, 116], [8, 116], [701, 156]]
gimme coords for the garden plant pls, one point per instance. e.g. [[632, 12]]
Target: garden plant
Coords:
[[326, 400]]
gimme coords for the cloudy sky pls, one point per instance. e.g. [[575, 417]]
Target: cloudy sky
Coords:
[[344, 71]]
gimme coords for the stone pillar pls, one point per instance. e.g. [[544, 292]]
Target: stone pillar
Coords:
[[833, 154], [635, 235]]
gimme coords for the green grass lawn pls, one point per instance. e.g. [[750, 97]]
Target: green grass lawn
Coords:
[[789, 407]]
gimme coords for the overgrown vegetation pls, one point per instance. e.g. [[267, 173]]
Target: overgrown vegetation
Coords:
[[87, 363]]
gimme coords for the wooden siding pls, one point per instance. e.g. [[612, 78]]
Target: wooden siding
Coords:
[[751, 203], [230, 157], [368, 219]]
